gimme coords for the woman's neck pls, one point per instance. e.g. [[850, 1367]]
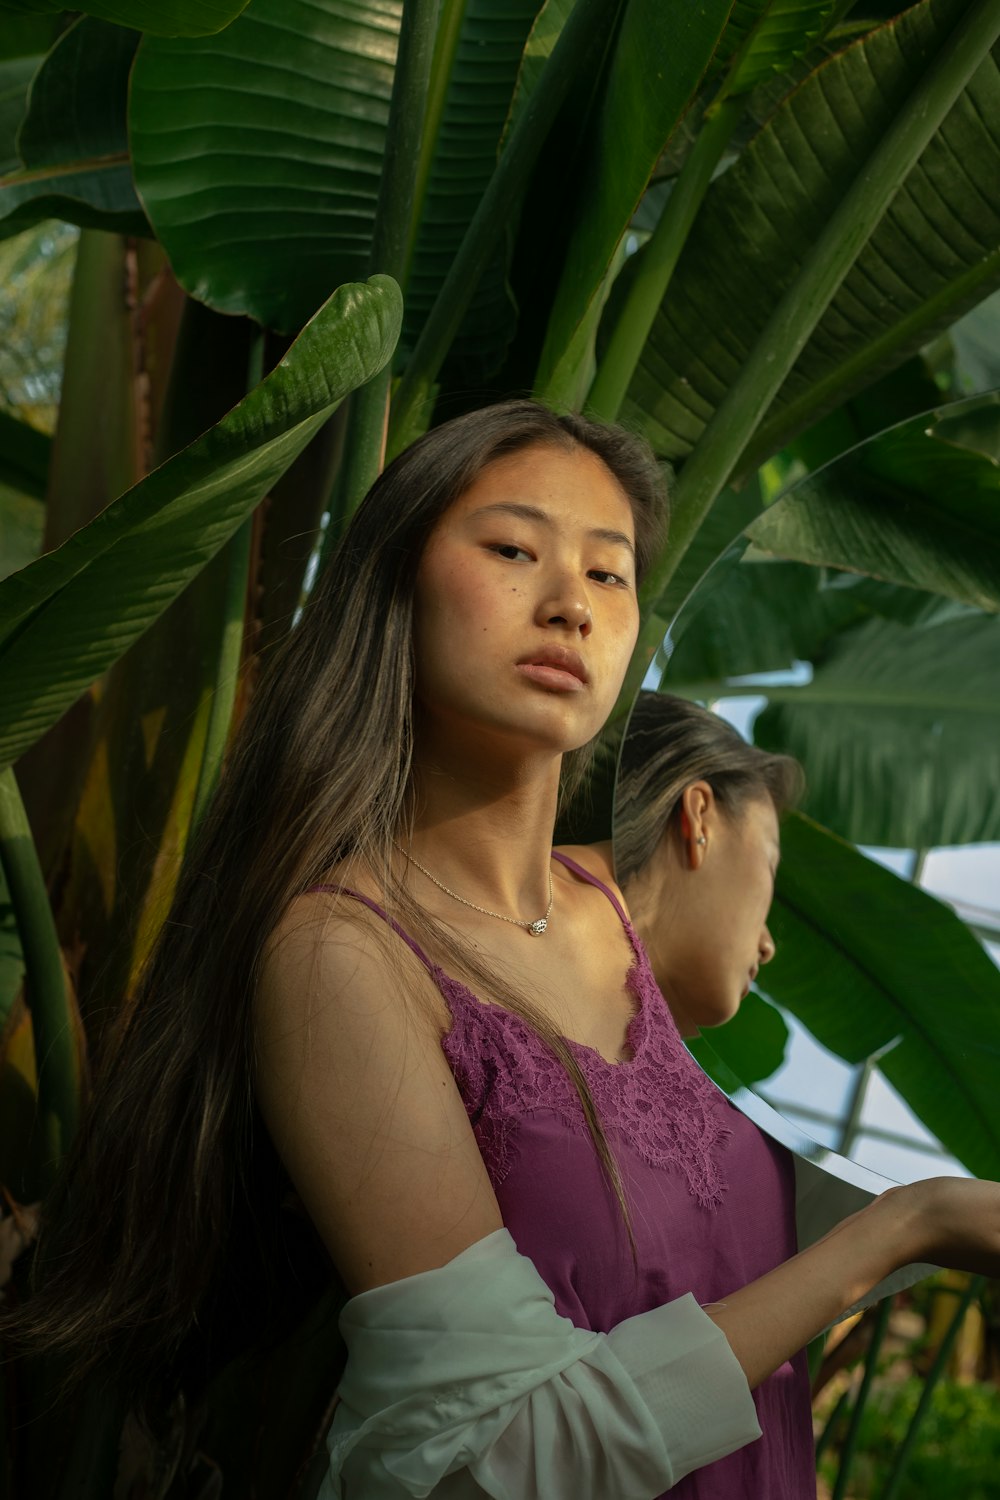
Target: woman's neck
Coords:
[[483, 826]]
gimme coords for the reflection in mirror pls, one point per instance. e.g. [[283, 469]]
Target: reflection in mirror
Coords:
[[852, 626]]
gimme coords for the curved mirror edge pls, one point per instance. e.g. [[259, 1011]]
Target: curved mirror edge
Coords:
[[961, 424]]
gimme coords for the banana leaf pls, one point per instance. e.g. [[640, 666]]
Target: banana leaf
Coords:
[[935, 253], [74, 611]]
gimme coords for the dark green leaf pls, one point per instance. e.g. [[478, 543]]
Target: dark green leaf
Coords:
[[72, 142], [935, 253], [11, 957], [976, 343], [762, 616], [15, 75], [659, 59], [899, 731], [752, 1043], [26, 35], [68, 616], [24, 456], [22, 527], [159, 17], [483, 74], [864, 957], [764, 37], [916, 505], [262, 188]]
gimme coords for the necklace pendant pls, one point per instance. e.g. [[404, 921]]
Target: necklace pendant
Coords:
[[537, 928]]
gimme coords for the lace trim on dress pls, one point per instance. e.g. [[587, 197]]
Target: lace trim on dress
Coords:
[[658, 1099]]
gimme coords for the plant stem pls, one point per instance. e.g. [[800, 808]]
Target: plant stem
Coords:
[[391, 240], [790, 326], [51, 1022], [492, 214], [905, 1451], [854, 1426], [658, 260], [234, 610], [832, 1422]]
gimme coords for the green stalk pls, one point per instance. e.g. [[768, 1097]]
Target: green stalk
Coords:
[[391, 243], [854, 1426], [234, 610], [832, 1423], [658, 261], [51, 1023], [905, 1450], [790, 326], [492, 215]]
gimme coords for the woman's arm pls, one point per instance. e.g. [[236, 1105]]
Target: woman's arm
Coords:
[[946, 1221], [359, 1099]]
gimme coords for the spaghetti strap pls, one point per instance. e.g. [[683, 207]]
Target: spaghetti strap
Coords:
[[571, 864], [343, 890]]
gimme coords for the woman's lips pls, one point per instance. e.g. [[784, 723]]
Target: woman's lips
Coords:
[[557, 679]]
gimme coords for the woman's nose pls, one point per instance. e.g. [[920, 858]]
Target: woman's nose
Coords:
[[765, 947], [568, 605]]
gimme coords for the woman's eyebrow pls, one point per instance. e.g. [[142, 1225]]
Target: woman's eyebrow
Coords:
[[532, 513]]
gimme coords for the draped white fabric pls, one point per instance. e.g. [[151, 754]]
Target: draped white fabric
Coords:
[[464, 1381]]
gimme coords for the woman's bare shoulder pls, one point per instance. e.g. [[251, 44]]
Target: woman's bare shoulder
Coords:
[[596, 859], [328, 942]]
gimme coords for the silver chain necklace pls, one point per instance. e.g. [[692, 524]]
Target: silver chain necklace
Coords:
[[535, 928]]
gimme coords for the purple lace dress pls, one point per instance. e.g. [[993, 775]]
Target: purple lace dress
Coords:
[[711, 1198]]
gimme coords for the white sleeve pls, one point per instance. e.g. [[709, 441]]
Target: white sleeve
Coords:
[[464, 1381]]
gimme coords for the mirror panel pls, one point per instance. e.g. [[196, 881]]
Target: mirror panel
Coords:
[[854, 625]]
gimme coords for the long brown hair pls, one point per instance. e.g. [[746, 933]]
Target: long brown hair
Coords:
[[172, 1179], [670, 742]]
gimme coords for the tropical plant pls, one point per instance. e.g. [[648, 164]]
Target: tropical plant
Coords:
[[723, 223]]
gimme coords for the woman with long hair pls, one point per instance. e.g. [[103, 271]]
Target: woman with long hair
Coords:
[[697, 835], [569, 1261]]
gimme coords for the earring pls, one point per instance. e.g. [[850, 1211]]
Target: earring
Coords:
[[701, 839]]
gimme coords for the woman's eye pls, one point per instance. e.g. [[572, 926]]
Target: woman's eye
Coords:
[[605, 577], [509, 550]]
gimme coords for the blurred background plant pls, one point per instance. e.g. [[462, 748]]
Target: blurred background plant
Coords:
[[759, 232]]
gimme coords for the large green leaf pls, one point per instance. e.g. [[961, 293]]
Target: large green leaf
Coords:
[[753, 1043], [660, 56], [863, 958], [764, 37], [72, 142], [68, 616], [912, 505], [11, 957], [24, 456], [15, 75], [22, 524], [24, 35], [935, 253], [475, 108], [262, 188], [759, 617], [899, 731], [159, 17]]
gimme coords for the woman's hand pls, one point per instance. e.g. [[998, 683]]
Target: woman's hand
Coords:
[[945, 1221], [948, 1221]]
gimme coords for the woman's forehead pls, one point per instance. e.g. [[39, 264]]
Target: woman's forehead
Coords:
[[568, 484]]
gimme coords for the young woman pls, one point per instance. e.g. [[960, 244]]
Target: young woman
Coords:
[[566, 1255], [697, 812]]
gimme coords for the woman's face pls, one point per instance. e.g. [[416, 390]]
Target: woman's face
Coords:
[[707, 921], [525, 612]]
